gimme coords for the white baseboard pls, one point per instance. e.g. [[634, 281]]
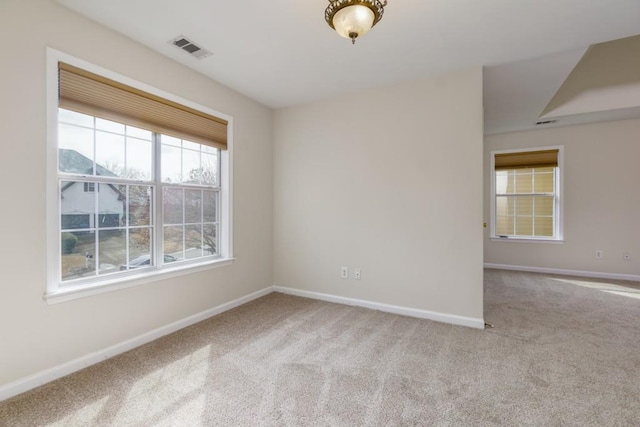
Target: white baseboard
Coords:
[[48, 375], [471, 322], [563, 272]]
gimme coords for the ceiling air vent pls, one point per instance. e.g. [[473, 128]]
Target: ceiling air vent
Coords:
[[545, 122], [190, 47]]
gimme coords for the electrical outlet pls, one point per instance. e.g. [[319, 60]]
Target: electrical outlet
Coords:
[[626, 256], [344, 272], [599, 254], [356, 274]]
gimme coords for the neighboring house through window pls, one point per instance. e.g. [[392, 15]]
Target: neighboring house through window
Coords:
[[142, 183], [525, 200]]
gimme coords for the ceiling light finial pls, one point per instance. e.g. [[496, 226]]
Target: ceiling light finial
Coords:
[[354, 18]]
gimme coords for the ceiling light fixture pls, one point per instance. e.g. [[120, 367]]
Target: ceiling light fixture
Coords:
[[354, 18]]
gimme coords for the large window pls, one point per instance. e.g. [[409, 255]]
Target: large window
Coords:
[[526, 194], [141, 184]]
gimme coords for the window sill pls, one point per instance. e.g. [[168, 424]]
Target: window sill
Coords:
[[524, 240], [69, 293]]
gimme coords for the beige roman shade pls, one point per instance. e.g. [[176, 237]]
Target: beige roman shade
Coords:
[[527, 159], [89, 93]]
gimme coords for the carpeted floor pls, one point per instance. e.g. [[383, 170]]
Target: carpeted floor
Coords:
[[564, 351]]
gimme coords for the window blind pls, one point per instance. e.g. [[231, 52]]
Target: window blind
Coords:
[[527, 159], [89, 93]]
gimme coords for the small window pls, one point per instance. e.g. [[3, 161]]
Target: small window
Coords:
[[89, 187], [526, 194]]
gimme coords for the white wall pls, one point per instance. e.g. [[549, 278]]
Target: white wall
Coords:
[[389, 181], [601, 199], [35, 336]]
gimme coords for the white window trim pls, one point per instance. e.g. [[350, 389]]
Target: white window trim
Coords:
[[559, 226], [55, 291]]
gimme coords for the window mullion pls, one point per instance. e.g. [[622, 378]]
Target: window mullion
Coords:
[[524, 194], [555, 201], [216, 227], [95, 146], [533, 203], [126, 230], [96, 207], [158, 195], [184, 227], [96, 223], [515, 214], [533, 215], [202, 223], [101, 179]]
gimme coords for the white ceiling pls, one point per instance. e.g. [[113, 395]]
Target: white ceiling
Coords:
[[282, 53]]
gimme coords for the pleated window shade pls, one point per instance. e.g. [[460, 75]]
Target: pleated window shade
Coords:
[[89, 93], [527, 159]]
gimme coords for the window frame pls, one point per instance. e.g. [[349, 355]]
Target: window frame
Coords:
[[558, 199], [56, 290]]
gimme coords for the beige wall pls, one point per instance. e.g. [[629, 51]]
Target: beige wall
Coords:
[[35, 336], [601, 199], [389, 181]]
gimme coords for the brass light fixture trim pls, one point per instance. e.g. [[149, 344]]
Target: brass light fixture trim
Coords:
[[335, 6]]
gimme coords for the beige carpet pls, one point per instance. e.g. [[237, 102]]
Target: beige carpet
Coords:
[[564, 351]]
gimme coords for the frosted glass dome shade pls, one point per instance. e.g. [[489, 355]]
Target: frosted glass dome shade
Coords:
[[353, 21]]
